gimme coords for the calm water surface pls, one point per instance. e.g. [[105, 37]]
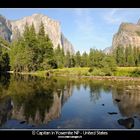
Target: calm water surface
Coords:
[[31, 102]]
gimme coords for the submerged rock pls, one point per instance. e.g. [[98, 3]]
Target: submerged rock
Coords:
[[127, 123], [22, 122], [117, 100], [112, 113], [103, 104]]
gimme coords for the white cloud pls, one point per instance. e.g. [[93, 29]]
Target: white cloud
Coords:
[[86, 28], [112, 18], [84, 21]]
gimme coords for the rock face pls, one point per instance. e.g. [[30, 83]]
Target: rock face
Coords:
[[128, 34], [11, 30], [107, 50], [129, 104], [5, 28], [67, 46]]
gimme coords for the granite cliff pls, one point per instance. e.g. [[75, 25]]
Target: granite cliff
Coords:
[[12, 29], [128, 34], [5, 28]]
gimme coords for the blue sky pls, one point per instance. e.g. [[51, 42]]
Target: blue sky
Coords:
[[85, 28]]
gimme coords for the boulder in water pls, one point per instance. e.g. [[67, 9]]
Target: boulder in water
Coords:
[[127, 123], [117, 100], [112, 113]]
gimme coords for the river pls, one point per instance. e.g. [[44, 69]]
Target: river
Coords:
[[28, 102]]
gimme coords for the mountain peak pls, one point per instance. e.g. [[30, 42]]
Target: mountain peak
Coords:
[[13, 29], [128, 34], [38, 15]]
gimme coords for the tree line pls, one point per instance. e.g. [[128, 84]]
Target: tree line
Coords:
[[127, 56], [4, 56], [34, 51]]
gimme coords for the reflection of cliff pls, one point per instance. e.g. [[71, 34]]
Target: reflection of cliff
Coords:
[[129, 104], [5, 110], [67, 92], [36, 101], [40, 115]]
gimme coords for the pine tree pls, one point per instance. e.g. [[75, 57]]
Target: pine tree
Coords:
[[46, 56], [26, 35], [68, 60], [98, 57], [84, 60], [59, 56], [120, 56], [130, 57], [135, 50], [138, 53], [91, 58], [41, 32], [78, 59]]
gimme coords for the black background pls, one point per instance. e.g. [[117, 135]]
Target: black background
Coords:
[[70, 3], [119, 135]]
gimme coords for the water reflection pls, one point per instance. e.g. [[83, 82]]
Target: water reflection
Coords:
[[35, 102], [5, 110], [129, 104], [127, 99]]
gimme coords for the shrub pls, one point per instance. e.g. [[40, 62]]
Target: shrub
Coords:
[[135, 73], [98, 72], [107, 71], [90, 70]]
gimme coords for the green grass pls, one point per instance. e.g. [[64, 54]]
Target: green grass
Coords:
[[71, 71], [125, 71], [86, 71]]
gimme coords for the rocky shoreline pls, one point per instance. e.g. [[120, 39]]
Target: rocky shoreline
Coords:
[[113, 78]]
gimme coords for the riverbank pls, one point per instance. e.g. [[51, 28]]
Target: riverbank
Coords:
[[121, 73]]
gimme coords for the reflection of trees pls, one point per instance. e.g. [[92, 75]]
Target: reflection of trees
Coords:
[[85, 85], [4, 82], [36, 100], [78, 85], [96, 88], [129, 96], [29, 97], [107, 88], [5, 109], [95, 91]]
